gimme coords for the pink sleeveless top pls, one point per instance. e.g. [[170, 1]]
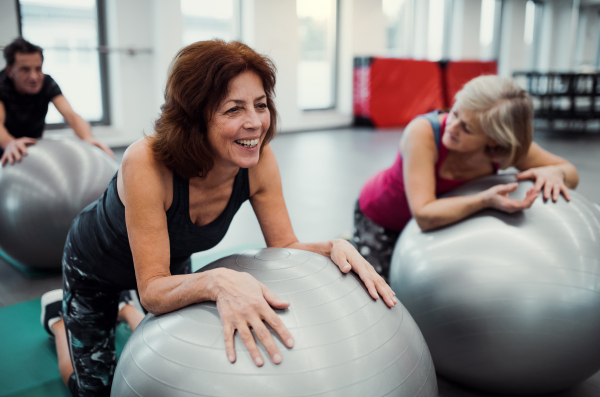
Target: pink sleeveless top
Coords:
[[383, 197]]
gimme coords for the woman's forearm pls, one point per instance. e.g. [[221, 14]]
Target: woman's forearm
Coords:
[[165, 294], [442, 212]]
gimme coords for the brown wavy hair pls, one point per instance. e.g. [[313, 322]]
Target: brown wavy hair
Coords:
[[198, 81]]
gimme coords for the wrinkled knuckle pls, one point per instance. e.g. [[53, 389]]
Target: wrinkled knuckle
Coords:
[[274, 320], [262, 333], [246, 336]]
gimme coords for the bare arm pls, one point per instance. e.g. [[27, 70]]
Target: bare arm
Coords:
[[242, 301], [550, 172], [269, 206], [419, 154], [144, 196], [14, 149], [78, 124]]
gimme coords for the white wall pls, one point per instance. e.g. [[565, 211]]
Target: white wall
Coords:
[[512, 45], [466, 23], [269, 26], [9, 25]]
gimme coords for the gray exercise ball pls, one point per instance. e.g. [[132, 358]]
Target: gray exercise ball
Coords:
[[507, 303], [41, 195], [347, 344]]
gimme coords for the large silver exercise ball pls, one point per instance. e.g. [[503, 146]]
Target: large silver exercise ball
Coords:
[[347, 344], [507, 303], [41, 195]]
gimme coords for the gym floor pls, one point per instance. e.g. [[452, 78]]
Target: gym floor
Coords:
[[322, 173]]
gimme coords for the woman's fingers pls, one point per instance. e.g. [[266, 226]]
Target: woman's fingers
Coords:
[[339, 258], [273, 299], [248, 340], [275, 322], [539, 183], [266, 339], [228, 332], [508, 188], [370, 286], [565, 192], [385, 291], [547, 191], [529, 174], [555, 193]]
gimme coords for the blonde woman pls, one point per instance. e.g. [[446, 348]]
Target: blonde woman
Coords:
[[489, 128]]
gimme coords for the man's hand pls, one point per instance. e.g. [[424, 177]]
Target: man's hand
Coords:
[[16, 150], [102, 146]]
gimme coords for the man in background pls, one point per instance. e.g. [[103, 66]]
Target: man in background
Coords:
[[25, 92]]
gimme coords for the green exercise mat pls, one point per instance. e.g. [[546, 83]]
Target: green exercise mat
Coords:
[[28, 362]]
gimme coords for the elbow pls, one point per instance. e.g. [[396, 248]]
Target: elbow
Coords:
[[426, 222], [151, 305]]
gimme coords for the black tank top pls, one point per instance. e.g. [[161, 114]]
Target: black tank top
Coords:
[[99, 234]]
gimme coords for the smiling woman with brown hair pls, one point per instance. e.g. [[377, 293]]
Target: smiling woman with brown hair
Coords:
[[176, 193]]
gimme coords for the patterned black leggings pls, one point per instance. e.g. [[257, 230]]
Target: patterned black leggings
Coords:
[[375, 243], [90, 308]]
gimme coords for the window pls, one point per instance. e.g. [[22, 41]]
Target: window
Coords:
[[399, 15], [489, 28], [435, 33], [69, 32], [317, 67], [210, 19]]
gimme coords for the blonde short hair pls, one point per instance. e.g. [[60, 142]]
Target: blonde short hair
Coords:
[[505, 112]]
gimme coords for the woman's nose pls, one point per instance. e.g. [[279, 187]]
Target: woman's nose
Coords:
[[252, 120]]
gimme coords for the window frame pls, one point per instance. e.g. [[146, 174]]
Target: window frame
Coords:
[[335, 66], [103, 67]]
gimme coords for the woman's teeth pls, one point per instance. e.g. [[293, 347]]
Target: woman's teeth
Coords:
[[247, 143]]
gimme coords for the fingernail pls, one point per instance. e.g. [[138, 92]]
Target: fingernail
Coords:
[[231, 358], [290, 342], [347, 267], [277, 358], [258, 361], [395, 300]]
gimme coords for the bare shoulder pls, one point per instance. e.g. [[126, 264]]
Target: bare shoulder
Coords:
[[141, 171], [139, 158], [265, 173]]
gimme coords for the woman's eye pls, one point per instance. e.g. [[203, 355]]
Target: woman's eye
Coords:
[[261, 105], [233, 109]]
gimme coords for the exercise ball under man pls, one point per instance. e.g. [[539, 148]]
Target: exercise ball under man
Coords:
[[41, 195]]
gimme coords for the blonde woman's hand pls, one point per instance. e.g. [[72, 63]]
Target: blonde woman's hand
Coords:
[[497, 197], [551, 178], [347, 258]]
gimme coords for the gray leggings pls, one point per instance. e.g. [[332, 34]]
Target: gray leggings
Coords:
[[374, 242]]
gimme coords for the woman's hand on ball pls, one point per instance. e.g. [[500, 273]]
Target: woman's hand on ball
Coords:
[[497, 197], [551, 178], [348, 258], [243, 303]]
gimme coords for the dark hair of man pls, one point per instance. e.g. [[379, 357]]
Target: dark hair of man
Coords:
[[198, 81], [21, 46]]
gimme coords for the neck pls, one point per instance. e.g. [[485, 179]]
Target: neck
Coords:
[[219, 174], [468, 160]]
